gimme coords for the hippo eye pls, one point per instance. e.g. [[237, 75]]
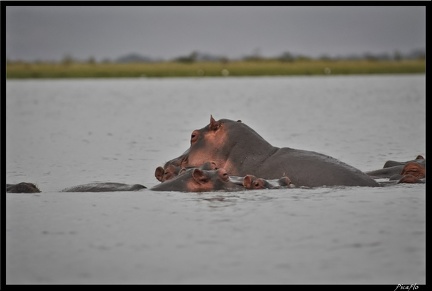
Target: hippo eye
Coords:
[[194, 136]]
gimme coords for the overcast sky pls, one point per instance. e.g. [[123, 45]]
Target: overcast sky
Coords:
[[50, 33]]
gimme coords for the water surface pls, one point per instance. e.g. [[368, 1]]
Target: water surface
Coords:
[[62, 133]]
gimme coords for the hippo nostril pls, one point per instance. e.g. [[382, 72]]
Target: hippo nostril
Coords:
[[223, 174]]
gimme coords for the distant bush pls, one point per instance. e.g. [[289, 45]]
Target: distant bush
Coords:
[[200, 69]]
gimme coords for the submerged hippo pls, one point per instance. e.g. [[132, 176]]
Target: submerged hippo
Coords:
[[412, 172], [385, 172], [170, 170], [25, 187], [22, 187], [417, 168], [241, 151], [198, 180], [419, 159], [104, 187], [252, 182]]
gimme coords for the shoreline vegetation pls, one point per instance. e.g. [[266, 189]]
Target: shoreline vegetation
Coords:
[[225, 68]]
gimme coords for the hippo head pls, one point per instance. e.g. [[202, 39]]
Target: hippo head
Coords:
[[198, 180], [222, 141], [252, 182], [414, 169], [208, 143], [167, 173]]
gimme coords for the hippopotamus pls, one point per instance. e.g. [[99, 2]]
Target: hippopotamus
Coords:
[[241, 151], [412, 172], [169, 171], [416, 168], [198, 180], [104, 187], [208, 178], [252, 182], [419, 159], [23, 187]]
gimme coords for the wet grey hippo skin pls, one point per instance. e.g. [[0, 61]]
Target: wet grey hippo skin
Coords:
[[22, 187], [385, 172], [241, 151], [104, 187], [25, 187]]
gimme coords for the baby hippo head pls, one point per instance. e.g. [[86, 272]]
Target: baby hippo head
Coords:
[[199, 180]]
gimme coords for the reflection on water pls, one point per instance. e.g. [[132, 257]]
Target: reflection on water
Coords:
[[68, 132]]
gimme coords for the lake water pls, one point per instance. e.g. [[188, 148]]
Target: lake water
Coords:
[[61, 133]]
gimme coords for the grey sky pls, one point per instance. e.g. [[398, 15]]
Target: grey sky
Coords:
[[49, 33]]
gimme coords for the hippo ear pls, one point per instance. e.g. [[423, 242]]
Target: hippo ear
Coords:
[[284, 181], [199, 176], [159, 172], [214, 125], [247, 181], [182, 171], [213, 165]]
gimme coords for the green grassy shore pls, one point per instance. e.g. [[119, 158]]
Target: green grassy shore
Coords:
[[20, 70]]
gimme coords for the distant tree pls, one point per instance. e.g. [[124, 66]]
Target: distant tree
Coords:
[[106, 61], [91, 60], [397, 56], [67, 59], [224, 60], [286, 57], [370, 57], [187, 59], [325, 57], [255, 56], [419, 54], [302, 58]]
